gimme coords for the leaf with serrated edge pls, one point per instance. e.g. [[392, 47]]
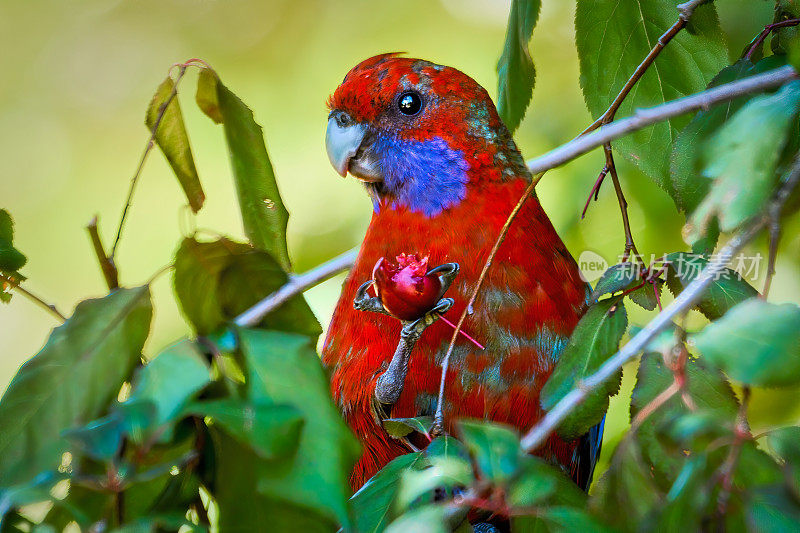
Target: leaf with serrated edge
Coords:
[[617, 278], [495, 448], [613, 36], [263, 214], [284, 368], [72, 379], [172, 139], [215, 281], [741, 160], [171, 379], [516, 74], [756, 343], [371, 505], [400, 427], [708, 389], [727, 290], [595, 339]]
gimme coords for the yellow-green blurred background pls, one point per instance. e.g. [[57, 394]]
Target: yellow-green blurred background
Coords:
[[77, 77]]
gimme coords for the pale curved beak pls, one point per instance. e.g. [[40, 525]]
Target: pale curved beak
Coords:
[[342, 141]]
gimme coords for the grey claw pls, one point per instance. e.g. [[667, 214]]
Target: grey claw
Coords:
[[446, 273], [365, 302], [413, 330]]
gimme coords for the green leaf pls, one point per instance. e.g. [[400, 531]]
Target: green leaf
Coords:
[[446, 447], [614, 36], [170, 380], [428, 519], [156, 524], [173, 140], [571, 519], [263, 213], [627, 493], [372, 504], [272, 431], [688, 186], [647, 296], [11, 259], [709, 390], [71, 380], [32, 491], [206, 96], [495, 449], [727, 290], [687, 498], [742, 158], [772, 509], [516, 74], [99, 439], [785, 442], [400, 427], [444, 474], [216, 281], [755, 343], [540, 483], [617, 278], [595, 339], [285, 369]]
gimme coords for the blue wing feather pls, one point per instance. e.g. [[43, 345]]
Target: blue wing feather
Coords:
[[586, 455]]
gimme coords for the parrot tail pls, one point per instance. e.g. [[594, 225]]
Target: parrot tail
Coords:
[[586, 454]]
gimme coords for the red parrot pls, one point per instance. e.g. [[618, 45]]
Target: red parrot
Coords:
[[443, 173]]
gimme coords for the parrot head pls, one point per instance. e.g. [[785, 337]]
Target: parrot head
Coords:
[[419, 135]]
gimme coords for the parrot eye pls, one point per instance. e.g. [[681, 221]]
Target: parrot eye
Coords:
[[409, 103]]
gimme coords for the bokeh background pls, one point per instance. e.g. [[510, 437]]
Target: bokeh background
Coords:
[[77, 77]]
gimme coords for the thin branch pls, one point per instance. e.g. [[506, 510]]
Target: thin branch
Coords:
[[630, 246], [438, 418], [774, 213], [741, 433], [643, 118], [654, 405], [769, 28], [774, 239], [686, 10], [50, 308], [296, 285], [149, 146], [680, 304], [107, 265]]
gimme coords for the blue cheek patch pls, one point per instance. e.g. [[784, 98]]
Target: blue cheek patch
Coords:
[[423, 176]]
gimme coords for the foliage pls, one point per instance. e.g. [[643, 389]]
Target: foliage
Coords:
[[234, 429]]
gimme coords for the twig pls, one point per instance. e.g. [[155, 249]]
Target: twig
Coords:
[[679, 305], [741, 433], [296, 285], [149, 146], [438, 418], [774, 212], [654, 405], [595, 190], [106, 263], [14, 284], [630, 246], [646, 117], [685, 13], [766, 31]]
